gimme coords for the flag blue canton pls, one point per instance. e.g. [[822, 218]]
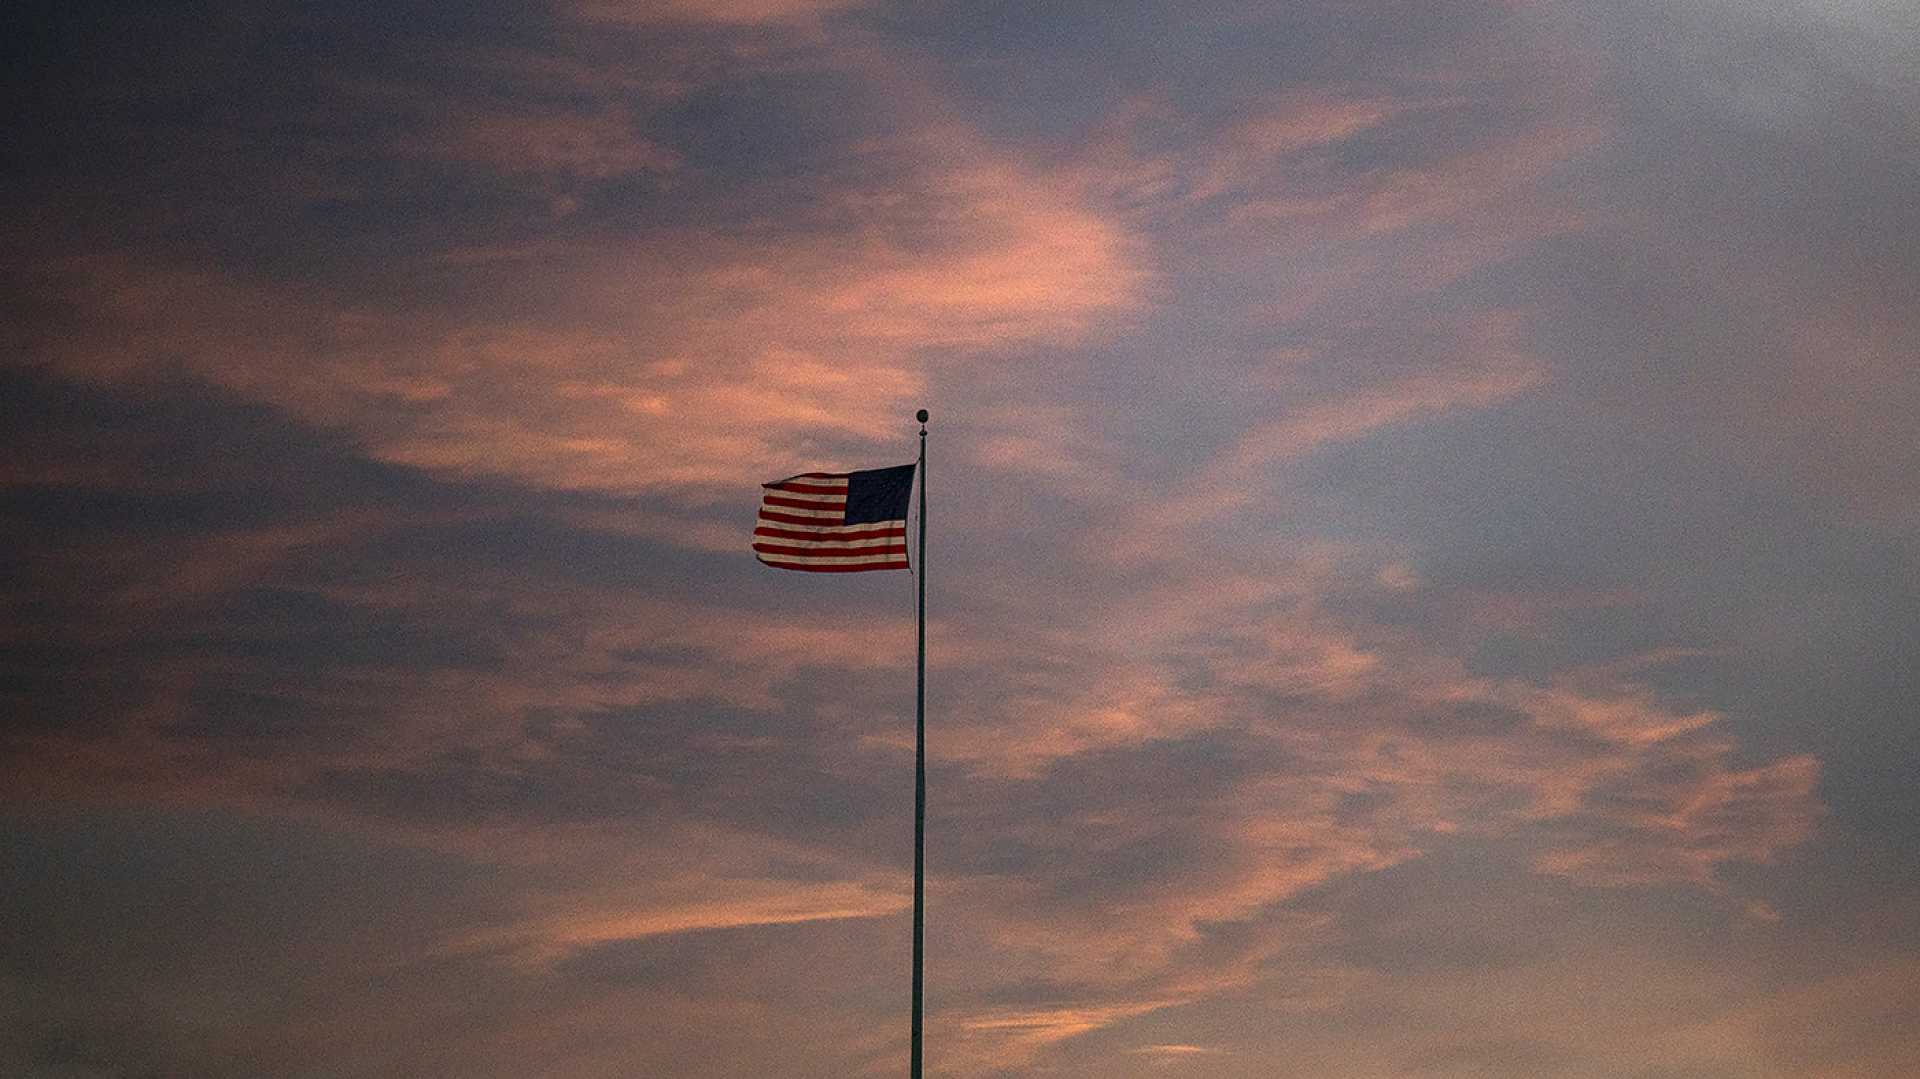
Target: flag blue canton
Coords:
[[879, 494]]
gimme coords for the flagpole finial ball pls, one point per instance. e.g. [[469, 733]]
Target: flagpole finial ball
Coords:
[[921, 415]]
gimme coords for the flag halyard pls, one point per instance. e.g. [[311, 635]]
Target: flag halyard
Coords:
[[835, 522]]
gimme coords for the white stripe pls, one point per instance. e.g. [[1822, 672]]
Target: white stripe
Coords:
[[828, 529], [838, 500], [809, 481], [828, 560], [825, 515], [836, 545]]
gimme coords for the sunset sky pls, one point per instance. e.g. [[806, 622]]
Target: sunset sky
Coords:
[[1424, 538]]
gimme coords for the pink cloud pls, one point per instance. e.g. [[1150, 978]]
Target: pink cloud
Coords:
[[695, 877], [1481, 361], [689, 360], [697, 361], [1250, 152], [738, 12]]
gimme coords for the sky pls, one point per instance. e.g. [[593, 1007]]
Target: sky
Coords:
[[1423, 508]]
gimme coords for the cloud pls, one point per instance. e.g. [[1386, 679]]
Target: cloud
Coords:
[[1176, 1050], [1349, 760], [693, 879], [589, 147], [429, 539], [1187, 760], [1027, 1031], [1474, 363], [1684, 831], [1251, 152], [734, 12], [684, 360]]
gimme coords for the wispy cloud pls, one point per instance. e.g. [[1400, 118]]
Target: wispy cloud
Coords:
[[1421, 516], [709, 357], [735, 12]]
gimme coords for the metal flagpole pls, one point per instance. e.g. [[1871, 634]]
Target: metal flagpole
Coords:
[[920, 754]]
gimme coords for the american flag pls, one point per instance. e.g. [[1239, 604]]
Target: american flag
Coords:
[[835, 522]]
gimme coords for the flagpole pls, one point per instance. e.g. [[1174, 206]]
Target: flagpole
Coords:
[[920, 754]]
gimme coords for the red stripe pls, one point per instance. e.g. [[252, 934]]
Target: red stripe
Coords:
[[836, 569], [832, 552], [806, 476], [796, 519], [807, 488], [853, 532], [802, 504]]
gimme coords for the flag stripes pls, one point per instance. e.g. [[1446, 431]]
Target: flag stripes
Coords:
[[803, 525], [813, 531]]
